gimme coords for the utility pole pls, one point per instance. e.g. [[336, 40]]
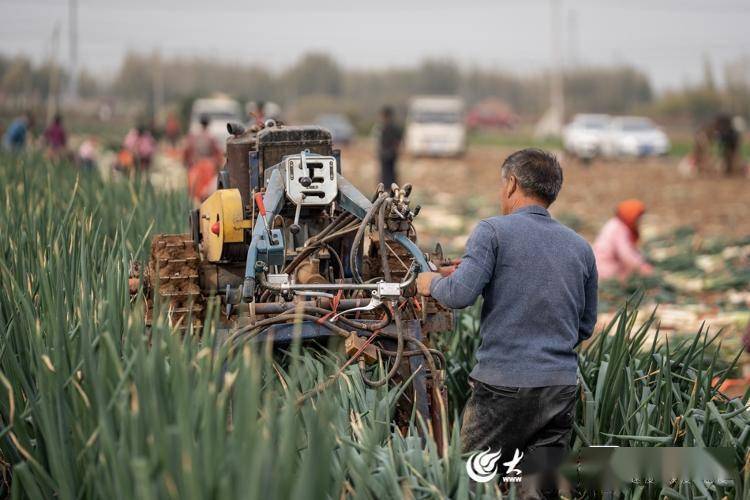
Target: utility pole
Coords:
[[557, 97], [551, 123], [157, 84], [572, 61], [73, 48], [53, 90]]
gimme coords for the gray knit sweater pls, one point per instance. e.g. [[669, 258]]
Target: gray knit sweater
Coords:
[[539, 283]]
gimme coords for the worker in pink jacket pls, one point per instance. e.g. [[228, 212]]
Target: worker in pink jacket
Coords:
[[141, 145], [616, 247]]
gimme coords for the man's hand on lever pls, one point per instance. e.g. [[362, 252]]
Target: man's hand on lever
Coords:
[[425, 279], [449, 267]]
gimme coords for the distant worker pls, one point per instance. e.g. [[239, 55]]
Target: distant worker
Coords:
[[202, 157], [201, 145], [728, 139], [87, 154], [699, 160], [256, 113], [616, 247], [172, 129], [17, 135], [388, 136], [721, 135], [55, 137], [141, 146]]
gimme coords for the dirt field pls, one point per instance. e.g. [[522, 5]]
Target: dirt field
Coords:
[[455, 193]]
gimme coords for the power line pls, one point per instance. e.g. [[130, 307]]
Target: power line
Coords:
[[73, 47]]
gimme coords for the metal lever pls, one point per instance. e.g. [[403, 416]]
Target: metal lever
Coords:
[[374, 303], [294, 228]]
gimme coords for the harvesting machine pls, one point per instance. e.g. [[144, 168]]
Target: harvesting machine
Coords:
[[287, 246]]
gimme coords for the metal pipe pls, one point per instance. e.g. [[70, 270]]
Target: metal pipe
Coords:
[[290, 287], [264, 308]]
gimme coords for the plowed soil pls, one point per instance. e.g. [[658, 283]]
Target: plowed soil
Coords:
[[456, 193]]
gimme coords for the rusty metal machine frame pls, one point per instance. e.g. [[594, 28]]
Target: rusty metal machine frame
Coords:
[[288, 256]]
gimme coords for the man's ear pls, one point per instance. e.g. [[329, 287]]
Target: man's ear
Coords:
[[511, 185]]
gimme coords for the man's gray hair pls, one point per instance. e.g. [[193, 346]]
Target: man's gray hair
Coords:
[[538, 173]]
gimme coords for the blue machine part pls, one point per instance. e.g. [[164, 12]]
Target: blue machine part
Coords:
[[273, 200], [262, 253], [271, 252], [414, 250]]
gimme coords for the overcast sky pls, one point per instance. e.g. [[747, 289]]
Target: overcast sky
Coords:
[[668, 39]]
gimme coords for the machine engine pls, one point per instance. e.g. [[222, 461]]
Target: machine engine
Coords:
[[287, 246]]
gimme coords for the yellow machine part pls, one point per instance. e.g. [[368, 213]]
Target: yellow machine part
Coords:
[[225, 208]]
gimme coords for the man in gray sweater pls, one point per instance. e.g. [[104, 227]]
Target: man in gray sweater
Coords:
[[539, 283]]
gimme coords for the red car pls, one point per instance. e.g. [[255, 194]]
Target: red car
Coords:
[[491, 113]]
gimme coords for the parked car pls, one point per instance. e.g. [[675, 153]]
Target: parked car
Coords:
[[342, 130], [634, 136], [220, 111], [435, 126], [491, 113], [584, 135]]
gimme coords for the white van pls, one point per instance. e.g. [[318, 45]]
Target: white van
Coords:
[[220, 110], [435, 126]]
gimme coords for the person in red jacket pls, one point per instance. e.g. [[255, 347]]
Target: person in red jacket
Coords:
[[55, 137], [616, 247], [202, 157]]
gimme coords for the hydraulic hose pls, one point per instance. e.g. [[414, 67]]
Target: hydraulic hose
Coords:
[[341, 220], [383, 249], [360, 234], [316, 244], [418, 352], [248, 332], [399, 352], [396, 312], [335, 256], [356, 324]]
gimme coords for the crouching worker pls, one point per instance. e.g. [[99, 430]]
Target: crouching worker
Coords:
[[616, 250], [539, 283]]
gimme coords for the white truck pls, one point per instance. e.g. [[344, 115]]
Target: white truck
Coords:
[[219, 110], [435, 126]]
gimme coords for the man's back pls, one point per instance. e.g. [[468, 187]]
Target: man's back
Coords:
[[389, 140], [539, 283], [538, 279]]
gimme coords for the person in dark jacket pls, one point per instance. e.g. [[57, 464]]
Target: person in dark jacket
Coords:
[[389, 135], [538, 279], [55, 137], [728, 140]]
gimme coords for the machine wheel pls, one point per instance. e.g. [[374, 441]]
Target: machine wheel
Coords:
[[175, 285]]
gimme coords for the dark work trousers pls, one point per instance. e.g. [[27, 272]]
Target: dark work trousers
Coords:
[[388, 171], [535, 420]]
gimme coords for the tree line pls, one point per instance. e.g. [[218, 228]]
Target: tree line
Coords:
[[317, 81]]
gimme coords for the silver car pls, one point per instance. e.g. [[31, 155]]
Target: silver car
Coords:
[[634, 136], [583, 136]]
